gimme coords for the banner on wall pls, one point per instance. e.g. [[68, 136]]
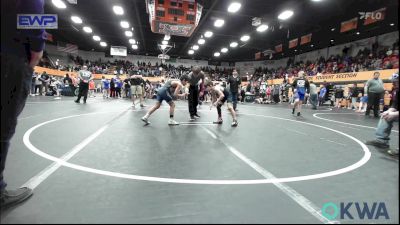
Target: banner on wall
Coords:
[[293, 43], [356, 76], [278, 48], [375, 16], [349, 25], [346, 77], [305, 39]]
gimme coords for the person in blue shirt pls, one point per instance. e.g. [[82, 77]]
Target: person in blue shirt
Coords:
[[322, 93], [106, 87], [21, 51], [301, 87]]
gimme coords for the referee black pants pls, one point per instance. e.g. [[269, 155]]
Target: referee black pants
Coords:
[[193, 99], [83, 91]]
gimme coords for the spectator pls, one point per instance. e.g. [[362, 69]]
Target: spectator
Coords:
[[374, 90], [313, 95], [322, 94], [127, 88], [354, 92], [339, 94], [118, 87], [33, 88], [38, 85], [105, 87], [92, 87], [67, 80], [112, 88], [45, 79]]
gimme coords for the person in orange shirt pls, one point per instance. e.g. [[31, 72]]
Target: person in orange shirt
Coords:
[[74, 84], [92, 87]]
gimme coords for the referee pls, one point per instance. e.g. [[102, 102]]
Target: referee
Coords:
[[193, 99], [84, 76]]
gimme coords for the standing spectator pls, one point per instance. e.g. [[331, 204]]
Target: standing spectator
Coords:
[[268, 93], [127, 88], [92, 87], [242, 94], [374, 90], [21, 51], [74, 84], [275, 93], [137, 89], [234, 82], [339, 94], [112, 87], [38, 85], [148, 89], [105, 87], [248, 87], [256, 89], [354, 92], [322, 94], [45, 79], [363, 102], [33, 84], [118, 87], [313, 95], [67, 80]]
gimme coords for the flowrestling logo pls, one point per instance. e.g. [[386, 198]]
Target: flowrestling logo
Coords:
[[372, 15], [37, 21], [350, 210]]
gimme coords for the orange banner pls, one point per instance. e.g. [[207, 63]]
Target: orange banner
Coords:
[[346, 77], [293, 43], [349, 25], [278, 48], [375, 16], [305, 39], [53, 72]]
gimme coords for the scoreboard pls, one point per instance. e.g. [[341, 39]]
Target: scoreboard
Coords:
[[174, 17]]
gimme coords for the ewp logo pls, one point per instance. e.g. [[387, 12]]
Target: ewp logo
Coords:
[[37, 21], [331, 211], [372, 15]]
